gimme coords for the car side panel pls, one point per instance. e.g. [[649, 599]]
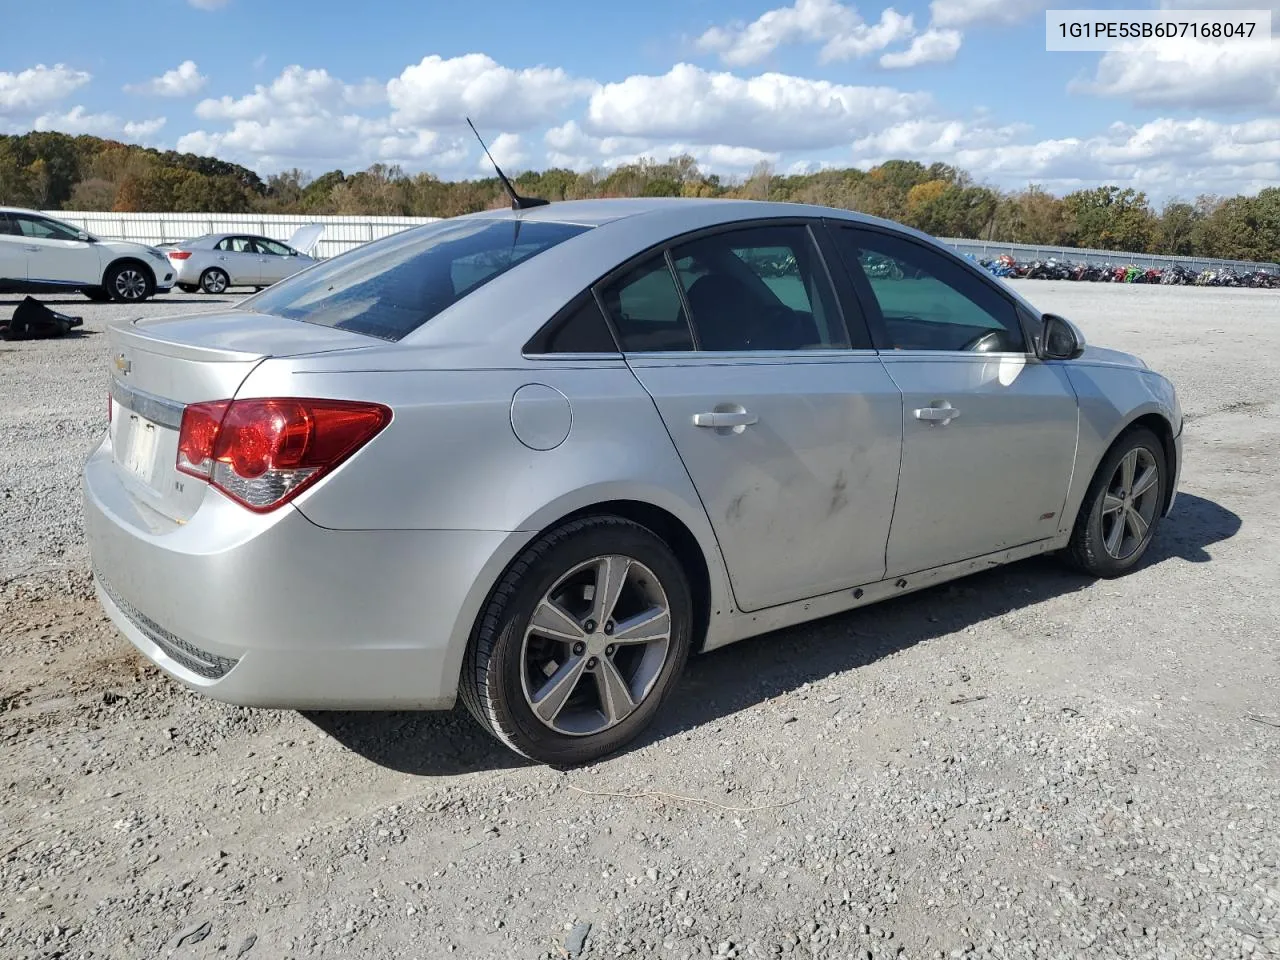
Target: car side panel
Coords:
[[1111, 397], [412, 475]]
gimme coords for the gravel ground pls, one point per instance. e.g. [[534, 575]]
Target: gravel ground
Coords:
[[1022, 764]]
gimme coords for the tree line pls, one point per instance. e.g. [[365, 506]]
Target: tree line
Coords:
[[53, 171]]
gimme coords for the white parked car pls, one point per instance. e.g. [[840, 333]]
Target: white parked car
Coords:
[[39, 254], [216, 261]]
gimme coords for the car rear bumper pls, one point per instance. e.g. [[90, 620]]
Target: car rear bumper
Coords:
[[274, 611]]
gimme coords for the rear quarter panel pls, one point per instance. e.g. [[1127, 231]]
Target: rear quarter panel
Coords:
[[450, 459]]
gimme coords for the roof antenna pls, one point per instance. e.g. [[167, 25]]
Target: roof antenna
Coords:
[[517, 202]]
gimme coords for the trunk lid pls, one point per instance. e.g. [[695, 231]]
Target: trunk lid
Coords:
[[159, 366], [304, 239]]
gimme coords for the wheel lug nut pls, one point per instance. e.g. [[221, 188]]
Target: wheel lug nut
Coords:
[[589, 626], [578, 648], [608, 627], [591, 664], [609, 650]]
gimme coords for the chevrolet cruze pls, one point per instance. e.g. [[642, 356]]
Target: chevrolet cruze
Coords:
[[535, 458]]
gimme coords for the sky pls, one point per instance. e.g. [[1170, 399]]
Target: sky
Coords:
[[279, 84]]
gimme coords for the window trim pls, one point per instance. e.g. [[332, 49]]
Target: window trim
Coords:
[[533, 347], [875, 318]]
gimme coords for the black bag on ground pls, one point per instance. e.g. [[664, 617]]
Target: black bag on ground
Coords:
[[34, 321]]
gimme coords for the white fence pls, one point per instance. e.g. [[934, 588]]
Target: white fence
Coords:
[[340, 233], [343, 233]]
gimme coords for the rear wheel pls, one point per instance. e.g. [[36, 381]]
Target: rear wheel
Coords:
[[581, 641], [214, 280], [129, 283], [1121, 511]]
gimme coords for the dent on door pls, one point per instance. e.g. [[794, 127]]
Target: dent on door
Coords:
[[796, 463]]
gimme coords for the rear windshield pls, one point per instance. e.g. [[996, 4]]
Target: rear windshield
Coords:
[[392, 286]]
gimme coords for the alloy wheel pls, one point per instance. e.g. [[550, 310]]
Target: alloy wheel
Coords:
[[1130, 502], [215, 282], [130, 284], [595, 645]]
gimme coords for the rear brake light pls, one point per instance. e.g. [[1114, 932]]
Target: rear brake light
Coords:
[[179, 254], [263, 452]]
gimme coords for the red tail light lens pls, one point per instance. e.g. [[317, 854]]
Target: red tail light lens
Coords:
[[179, 254], [197, 435], [263, 452]]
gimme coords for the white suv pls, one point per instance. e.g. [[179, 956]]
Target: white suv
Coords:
[[41, 255]]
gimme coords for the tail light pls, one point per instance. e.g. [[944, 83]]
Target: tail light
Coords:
[[264, 452], [179, 254]]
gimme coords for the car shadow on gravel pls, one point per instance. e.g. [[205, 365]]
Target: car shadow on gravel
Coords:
[[726, 681]]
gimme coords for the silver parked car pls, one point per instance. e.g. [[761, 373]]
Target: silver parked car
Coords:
[[216, 261], [536, 458]]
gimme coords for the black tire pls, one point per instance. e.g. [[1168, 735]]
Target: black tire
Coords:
[[494, 666], [1087, 550], [96, 294], [188, 287], [214, 281], [129, 282]]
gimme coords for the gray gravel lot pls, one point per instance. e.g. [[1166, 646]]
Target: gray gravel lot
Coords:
[[1022, 764]]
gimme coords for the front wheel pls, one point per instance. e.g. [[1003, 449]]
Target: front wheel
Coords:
[[214, 281], [129, 283], [581, 641], [1122, 508]]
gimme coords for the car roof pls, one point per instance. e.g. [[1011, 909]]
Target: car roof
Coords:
[[594, 213]]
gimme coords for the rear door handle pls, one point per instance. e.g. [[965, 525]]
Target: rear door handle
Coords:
[[33, 249], [938, 413], [725, 419]]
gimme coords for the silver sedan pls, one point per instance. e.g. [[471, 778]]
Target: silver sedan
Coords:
[[536, 458], [216, 261]]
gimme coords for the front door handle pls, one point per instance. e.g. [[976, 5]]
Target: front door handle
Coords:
[[722, 419], [939, 414], [33, 249]]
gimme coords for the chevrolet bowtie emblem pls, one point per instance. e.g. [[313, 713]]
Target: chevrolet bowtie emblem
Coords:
[[123, 364]]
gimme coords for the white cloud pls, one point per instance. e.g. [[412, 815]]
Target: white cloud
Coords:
[[297, 92], [441, 92], [1162, 156], [932, 46], [571, 146], [1187, 74], [772, 111], [840, 28], [140, 131], [962, 13], [182, 81], [508, 153], [78, 120], [38, 86]]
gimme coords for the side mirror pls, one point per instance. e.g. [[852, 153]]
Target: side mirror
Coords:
[[1060, 339], [84, 237]]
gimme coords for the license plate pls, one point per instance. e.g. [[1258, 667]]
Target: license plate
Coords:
[[140, 452]]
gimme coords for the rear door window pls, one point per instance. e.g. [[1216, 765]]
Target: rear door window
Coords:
[[761, 288], [391, 287]]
